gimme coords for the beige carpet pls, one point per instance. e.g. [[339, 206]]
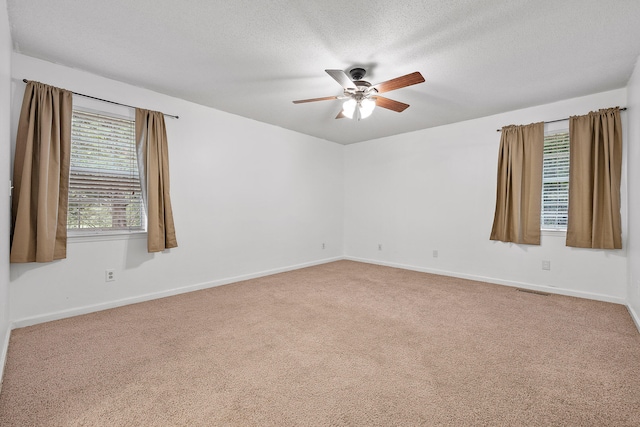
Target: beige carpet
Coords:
[[341, 344]]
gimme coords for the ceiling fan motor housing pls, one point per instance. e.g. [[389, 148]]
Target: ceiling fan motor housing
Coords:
[[363, 90]]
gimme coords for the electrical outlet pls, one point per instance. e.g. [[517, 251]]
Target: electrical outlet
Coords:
[[546, 265], [109, 275], [323, 246], [435, 254], [379, 246]]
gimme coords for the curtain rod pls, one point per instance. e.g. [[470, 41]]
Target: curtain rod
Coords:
[[561, 120], [110, 102]]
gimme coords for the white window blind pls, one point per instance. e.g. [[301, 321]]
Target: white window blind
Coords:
[[555, 181], [104, 185]]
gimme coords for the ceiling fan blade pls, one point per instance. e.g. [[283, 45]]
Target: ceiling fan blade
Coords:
[[399, 82], [342, 78], [340, 115], [326, 98], [390, 104]]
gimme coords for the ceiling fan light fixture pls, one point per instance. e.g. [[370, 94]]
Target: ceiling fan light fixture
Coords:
[[361, 109], [349, 107], [366, 107]]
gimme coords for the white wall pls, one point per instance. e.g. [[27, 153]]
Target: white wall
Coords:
[[5, 176], [248, 199], [633, 116], [435, 190]]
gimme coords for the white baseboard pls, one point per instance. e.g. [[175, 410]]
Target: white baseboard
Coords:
[[3, 353], [29, 321], [548, 289], [634, 316]]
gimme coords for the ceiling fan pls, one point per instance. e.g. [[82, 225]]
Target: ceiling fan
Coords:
[[362, 97]]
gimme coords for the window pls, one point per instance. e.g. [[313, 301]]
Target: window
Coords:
[[555, 181], [104, 185]]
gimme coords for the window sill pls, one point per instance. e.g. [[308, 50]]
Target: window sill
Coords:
[[83, 238], [553, 233]]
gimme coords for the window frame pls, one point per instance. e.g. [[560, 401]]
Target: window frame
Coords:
[[87, 105], [559, 128]]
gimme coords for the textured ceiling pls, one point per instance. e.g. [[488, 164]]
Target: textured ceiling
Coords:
[[253, 58]]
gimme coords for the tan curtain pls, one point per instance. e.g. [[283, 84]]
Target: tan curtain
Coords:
[[594, 180], [41, 175], [519, 193], [153, 164]]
